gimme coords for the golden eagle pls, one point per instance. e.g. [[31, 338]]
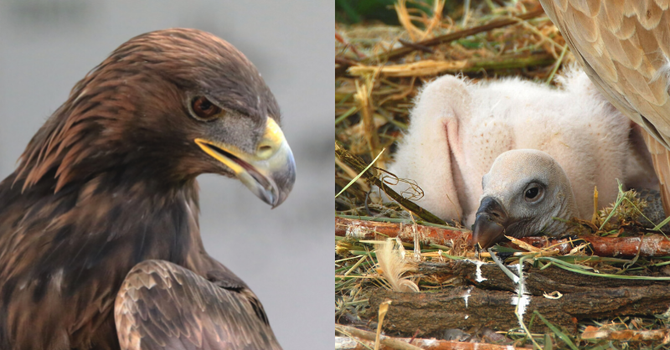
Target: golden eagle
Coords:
[[99, 239]]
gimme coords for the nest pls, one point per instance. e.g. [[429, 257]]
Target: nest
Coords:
[[379, 71]]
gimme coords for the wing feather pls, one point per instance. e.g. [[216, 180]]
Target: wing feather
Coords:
[[165, 306], [633, 73], [660, 157]]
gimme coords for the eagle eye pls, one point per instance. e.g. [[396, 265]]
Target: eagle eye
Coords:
[[204, 109], [533, 193]]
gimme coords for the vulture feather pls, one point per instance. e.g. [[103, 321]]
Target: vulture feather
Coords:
[[624, 47], [99, 238]]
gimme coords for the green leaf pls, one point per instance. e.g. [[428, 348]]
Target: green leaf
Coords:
[[562, 336]]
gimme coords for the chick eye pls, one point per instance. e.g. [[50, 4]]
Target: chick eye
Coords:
[[533, 193], [204, 109]]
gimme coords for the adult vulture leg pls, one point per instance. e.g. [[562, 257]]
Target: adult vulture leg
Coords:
[[661, 159], [165, 306]]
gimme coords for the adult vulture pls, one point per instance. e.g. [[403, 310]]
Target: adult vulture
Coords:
[[624, 47], [99, 239]]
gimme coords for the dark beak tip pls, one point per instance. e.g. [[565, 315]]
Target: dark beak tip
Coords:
[[280, 194], [276, 201], [486, 231], [286, 186], [490, 223]]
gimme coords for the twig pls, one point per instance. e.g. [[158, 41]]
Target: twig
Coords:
[[362, 97], [466, 7], [646, 246], [510, 62], [432, 67], [359, 174], [415, 46], [555, 69], [368, 229], [383, 309], [627, 335], [385, 340], [339, 38], [442, 39], [371, 176], [417, 344]]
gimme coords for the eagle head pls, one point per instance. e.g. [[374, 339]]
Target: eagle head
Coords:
[[167, 105]]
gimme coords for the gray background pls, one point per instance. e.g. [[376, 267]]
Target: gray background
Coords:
[[285, 254]]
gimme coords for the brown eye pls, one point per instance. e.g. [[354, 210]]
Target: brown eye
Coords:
[[533, 193], [204, 109]]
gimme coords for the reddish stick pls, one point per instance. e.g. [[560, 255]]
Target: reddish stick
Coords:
[[651, 245]]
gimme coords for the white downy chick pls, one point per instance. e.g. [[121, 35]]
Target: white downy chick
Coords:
[[458, 129]]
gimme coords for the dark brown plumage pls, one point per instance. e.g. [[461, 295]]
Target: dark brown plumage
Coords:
[[108, 185]]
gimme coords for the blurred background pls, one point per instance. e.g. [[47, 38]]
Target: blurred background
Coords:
[[285, 254], [382, 11]]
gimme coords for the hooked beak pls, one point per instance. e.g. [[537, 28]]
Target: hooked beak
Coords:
[[490, 223], [269, 172]]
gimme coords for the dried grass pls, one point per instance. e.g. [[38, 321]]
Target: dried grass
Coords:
[[375, 86]]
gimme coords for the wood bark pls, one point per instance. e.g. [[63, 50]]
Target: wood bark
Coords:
[[488, 303]]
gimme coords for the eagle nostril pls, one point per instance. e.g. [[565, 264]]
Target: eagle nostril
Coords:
[[265, 150]]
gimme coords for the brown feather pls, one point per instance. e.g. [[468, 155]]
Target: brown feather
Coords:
[[625, 49], [661, 159], [164, 306]]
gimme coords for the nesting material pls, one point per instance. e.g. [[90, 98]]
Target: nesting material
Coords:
[[394, 64], [393, 264]]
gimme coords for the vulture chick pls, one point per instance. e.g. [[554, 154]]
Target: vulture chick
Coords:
[[522, 194], [624, 47], [99, 239], [458, 130]]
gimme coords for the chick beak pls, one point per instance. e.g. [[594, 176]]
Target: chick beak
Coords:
[[269, 172], [490, 223]]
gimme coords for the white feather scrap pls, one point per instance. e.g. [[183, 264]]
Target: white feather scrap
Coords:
[[391, 265]]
